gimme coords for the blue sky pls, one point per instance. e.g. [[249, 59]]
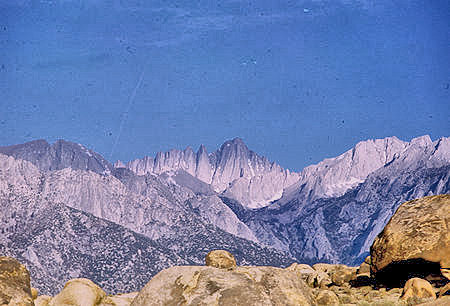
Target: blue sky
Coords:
[[297, 80]]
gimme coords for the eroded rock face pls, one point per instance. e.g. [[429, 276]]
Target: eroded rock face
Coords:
[[444, 290], [34, 293], [220, 259], [195, 285], [327, 297], [79, 292], [416, 237], [42, 300], [417, 287], [304, 272], [14, 283], [119, 299]]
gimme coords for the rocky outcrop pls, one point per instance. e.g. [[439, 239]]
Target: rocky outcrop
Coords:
[[191, 285], [415, 242], [228, 284], [220, 259], [79, 292], [417, 287], [444, 290], [119, 299], [14, 283], [42, 300]]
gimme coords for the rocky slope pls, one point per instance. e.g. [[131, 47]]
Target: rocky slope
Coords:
[[332, 214], [421, 281], [58, 242], [341, 229]]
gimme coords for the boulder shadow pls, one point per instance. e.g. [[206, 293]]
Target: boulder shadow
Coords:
[[396, 274]]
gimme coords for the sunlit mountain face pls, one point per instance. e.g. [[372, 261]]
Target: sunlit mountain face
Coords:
[[297, 80]]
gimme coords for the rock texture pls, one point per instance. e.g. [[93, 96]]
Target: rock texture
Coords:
[[418, 230], [417, 287], [211, 286], [14, 283], [207, 285], [42, 300], [78, 292], [119, 300], [220, 259]]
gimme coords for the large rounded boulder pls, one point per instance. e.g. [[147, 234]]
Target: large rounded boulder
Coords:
[[415, 242], [78, 292], [14, 283], [199, 285], [220, 259]]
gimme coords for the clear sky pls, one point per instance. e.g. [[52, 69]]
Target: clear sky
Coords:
[[299, 81]]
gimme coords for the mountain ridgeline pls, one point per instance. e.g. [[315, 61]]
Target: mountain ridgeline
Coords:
[[67, 212]]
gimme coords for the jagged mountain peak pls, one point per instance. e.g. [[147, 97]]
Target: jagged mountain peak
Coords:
[[237, 141], [59, 155], [423, 141], [254, 180], [202, 150]]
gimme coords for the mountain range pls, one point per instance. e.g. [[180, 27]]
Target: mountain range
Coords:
[[68, 212]]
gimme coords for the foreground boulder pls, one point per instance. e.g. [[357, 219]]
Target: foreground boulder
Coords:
[[79, 292], [119, 299], [195, 285], [42, 300], [415, 242], [14, 283], [220, 259], [417, 288]]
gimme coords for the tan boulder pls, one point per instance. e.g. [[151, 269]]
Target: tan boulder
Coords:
[[200, 285], [14, 283], [338, 274], [34, 293], [342, 274], [327, 297], [363, 270], [323, 267], [417, 287], [119, 299], [299, 268], [417, 231], [220, 259], [446, 273], [445, 290], [444, 301], [304, 272], [42, 300], [318, 280], [78, 292]]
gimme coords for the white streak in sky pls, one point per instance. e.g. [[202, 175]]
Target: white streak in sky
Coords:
[[125, 116]]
